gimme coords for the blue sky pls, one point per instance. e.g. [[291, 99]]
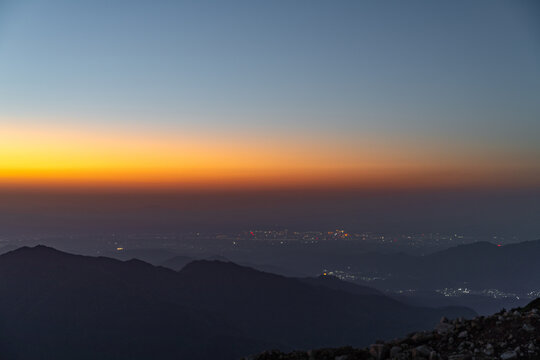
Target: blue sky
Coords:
[[445, 66]]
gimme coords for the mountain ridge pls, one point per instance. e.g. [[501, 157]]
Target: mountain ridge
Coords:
[[210, 309]]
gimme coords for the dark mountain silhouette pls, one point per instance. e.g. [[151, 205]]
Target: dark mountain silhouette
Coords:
[[56, 305], [178, 262]]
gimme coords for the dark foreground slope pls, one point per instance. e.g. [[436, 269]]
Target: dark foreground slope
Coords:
[[506, 335], [55, 305]]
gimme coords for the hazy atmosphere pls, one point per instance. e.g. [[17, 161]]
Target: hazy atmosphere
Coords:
[[386, 107]]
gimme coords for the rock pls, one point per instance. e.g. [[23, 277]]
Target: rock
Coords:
[[509, 355], [517, 337], [444, 328], [459, 357], [421, 336], [379, 351], [395, 350], [421, 351], [489, 350]]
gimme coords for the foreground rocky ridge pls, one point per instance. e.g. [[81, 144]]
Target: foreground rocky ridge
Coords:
[[506, 335]]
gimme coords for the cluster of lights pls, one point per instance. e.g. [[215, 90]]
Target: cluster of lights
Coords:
[[493, 293]]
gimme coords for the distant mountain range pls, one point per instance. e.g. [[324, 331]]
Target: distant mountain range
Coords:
[[56, 305], [482, 265], [494, 276], [510, 268]]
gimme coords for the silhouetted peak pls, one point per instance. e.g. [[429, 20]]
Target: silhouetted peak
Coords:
[[38, 250]]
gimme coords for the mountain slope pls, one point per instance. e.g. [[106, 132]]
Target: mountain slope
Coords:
[[61, 306]]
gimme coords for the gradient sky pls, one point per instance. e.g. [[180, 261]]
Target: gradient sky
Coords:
[[270, 93]]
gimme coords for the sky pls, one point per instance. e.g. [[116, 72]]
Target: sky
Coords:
[[269, 95], [253, 93]]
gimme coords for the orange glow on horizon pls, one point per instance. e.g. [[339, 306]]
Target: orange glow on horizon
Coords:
[[76, 158]]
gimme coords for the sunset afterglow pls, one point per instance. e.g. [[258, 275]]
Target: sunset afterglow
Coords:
[[89, 157], [149, 100]]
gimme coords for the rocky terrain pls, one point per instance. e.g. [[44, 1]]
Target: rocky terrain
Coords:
[[506, 335]]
